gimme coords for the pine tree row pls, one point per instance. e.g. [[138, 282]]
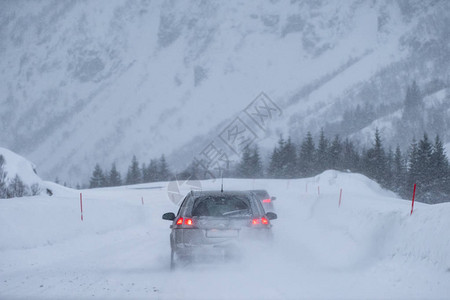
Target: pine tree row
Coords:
[[424, 164], [156, 170]]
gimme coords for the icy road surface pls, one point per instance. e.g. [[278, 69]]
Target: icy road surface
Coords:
[[370, 247]]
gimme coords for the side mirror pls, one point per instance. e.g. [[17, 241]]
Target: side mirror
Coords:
[[273, 198], [169, 216], [271, 215]]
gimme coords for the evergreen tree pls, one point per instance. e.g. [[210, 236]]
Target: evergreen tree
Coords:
[[440, 167], [164, 172], [336, 154], [256, 163], [398, 171], [153, 171], [3, 173], [289, 160], [413, 166], [115, 178], [134, 175], [375, 161], [322, 154], [98, 178], [350, 156], [276, 162], [306, 162], [424, 178], [244, 169]]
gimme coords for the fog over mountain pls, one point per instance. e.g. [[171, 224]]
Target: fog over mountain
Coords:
[[85, 82]]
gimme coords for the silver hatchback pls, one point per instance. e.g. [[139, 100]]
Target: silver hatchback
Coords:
[[215, 223]]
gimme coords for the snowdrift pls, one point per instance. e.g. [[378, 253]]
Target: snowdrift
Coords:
[[368, 247]]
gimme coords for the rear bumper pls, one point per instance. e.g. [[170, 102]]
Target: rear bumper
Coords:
[[192, 242]]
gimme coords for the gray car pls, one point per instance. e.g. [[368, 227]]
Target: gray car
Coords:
[[215, 223]]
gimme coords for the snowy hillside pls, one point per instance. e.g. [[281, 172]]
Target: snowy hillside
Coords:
[[369, 247], [98, 81], [16, 165]]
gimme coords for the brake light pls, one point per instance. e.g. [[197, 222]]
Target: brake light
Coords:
[[187, 222], [267, 200], [260, 221]]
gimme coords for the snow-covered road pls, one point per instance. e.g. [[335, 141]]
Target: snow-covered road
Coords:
[[370, 247]]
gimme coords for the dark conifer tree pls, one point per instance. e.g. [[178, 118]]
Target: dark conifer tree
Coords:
[[424, 153], [134, 174], [306, 161], [258, 171], [98, 178], [350, 156], [114, 176], [164, 172], [245, 167], [413, 166], [440, 167], [289, 160], [276, 162], [322, 154], [398, 171], [336, 154], [3, 173], [153, 171], [375, 161]]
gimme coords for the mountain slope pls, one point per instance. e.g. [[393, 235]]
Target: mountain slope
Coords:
[[88, 82]]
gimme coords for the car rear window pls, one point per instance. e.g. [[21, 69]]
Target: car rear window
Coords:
[[221, 206]]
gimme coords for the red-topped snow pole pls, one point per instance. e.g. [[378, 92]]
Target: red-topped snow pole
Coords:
[[81, 206], [414, 194]]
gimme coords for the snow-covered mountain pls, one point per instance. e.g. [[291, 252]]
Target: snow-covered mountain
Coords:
[[83, 82]]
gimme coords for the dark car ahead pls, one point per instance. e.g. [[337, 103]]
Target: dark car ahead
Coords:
[[265, 199], [214, 223]]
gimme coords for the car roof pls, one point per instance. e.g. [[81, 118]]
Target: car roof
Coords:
[[220, 193]]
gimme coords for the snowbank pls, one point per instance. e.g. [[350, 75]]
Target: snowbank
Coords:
[[368, 247]]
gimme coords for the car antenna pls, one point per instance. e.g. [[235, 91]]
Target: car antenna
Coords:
[[221, 188]]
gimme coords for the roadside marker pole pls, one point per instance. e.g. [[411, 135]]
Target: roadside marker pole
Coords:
[[414, 194], [142, 200], [287, 184], [81, 205], [340, 197], [318, 190], [307, 188]]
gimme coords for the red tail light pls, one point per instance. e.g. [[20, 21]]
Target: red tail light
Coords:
[[260, 221], [267, 200], [187, 222]]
